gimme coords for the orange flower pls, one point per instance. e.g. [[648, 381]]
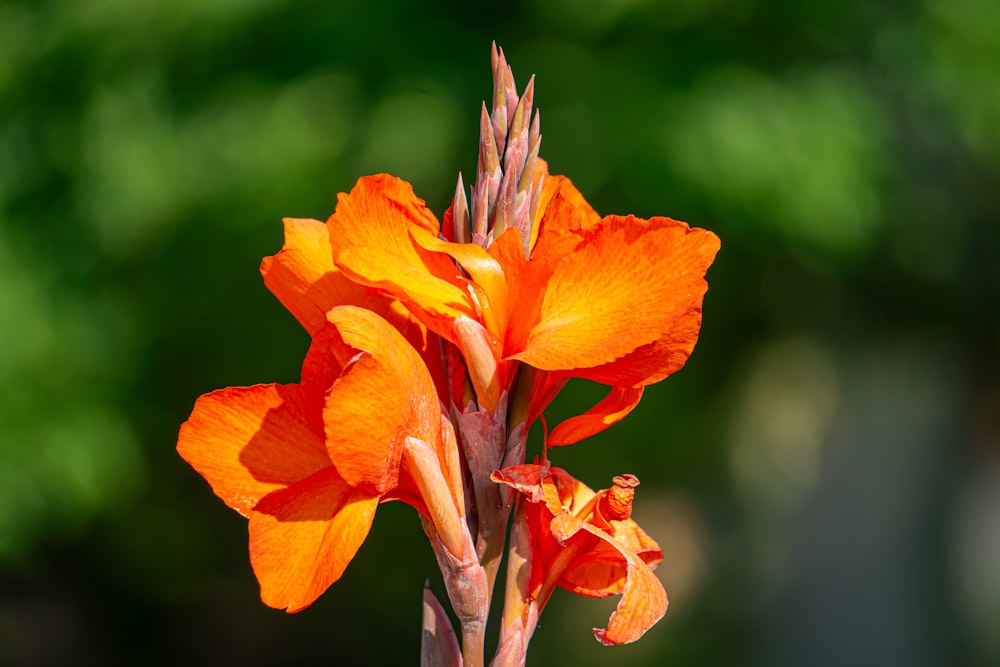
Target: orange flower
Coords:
[[585, 542], [616, 300], [308, 463]]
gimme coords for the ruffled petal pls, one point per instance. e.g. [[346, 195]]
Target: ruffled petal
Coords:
[[621, 288], [370, 234], [384, 395], [248, 441], [613, 408], [303, 537]]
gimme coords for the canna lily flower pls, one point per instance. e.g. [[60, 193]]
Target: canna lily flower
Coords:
[[308, 463], [587, 543], [616, 300], [434, 347]]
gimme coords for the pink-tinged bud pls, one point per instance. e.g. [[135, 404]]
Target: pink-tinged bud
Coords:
[[499, 121], [534, 144], [506, 190], [460, 213], [438, 643], [504, 90], [506, 205]]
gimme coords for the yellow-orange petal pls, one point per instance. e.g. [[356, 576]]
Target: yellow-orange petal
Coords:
[[303, 537], [370, 234], [621, 288], [303, 277], [384, 395], [248, 441], [613, 408], [488, 290]]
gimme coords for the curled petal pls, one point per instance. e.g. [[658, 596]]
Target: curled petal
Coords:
[[303, 537], [384, 395], [619, 402], [249, 441], [643, 603], [528, 479]]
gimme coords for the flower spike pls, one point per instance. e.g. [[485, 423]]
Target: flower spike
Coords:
[[506, 185]]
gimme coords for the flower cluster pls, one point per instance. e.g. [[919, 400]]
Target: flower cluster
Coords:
[[435, 347]]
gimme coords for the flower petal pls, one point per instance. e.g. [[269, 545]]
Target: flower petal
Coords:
[[643, 601], [303, 277], [619, 402], [248, 441], [384, 395], [489, 284], [370, 233], [621, 288], [653, 362], [303, 537], [563, 214]]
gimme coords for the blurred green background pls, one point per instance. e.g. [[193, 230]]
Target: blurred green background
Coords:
[[824, 475]]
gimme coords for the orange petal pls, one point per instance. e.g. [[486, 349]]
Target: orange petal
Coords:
[[527, 479], [643, 601], [621, 288], [562, 214], [384, 395], [619, 402], [545, 387], [489, 288], [603, 570], [653, 362], [303, 277], [248, 441], [634, 539], [370, 234], [303, 537]]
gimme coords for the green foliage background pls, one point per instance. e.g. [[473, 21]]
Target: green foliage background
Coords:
[[824, 475]]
